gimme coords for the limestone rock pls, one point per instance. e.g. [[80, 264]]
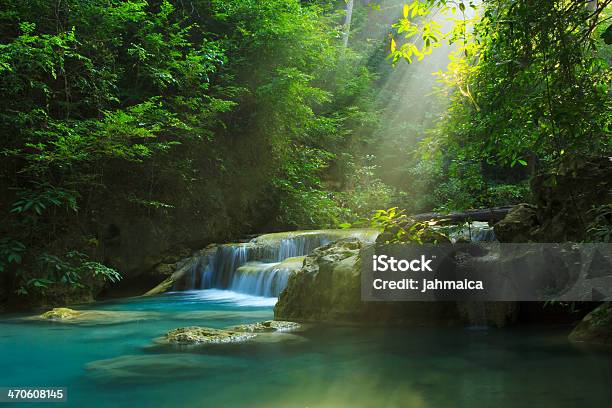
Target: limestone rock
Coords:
[[596, 327], [517, 225], [267, 326], [156, 367], [204, 335], [183, 271], [61, 313], [91, 317], [498, 314], [328, 289]]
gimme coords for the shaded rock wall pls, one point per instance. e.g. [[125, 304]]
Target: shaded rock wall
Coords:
[[563, 201], [328, 289], [596, 327]]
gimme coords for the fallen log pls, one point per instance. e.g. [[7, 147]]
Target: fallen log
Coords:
[[491, 215]]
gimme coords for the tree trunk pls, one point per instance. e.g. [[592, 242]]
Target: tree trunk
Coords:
[[487, 215], [347, 22]]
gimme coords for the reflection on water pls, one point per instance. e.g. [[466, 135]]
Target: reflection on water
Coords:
[[332, 367]]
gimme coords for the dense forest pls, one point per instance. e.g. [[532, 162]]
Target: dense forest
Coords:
[[134, 131]]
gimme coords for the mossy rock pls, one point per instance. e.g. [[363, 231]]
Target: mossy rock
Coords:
[[267, 326], [91, 317], [596, 327], [61, 313], [518, 224], [196, 335]]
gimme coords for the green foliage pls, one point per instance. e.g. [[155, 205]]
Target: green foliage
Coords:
[[303, 202], [600, 229], [11, 251], [73, 270], [41, 197], [528, 86], [146, 108], [395, 227]]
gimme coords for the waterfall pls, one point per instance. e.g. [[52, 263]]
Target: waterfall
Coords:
[[475, 231], [262, 266], [265, 278]]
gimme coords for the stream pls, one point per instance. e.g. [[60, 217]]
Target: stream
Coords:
[[115, 363]]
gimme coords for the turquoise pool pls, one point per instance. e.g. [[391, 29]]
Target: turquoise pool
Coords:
[[115, 365]]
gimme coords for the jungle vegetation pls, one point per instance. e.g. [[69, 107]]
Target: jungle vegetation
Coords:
[[148, 106]]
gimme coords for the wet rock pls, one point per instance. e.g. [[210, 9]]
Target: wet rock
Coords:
[[429, 234], [91, 317], [328, 289], [275, 338], [60, 313], [267, 326], [367, 235], [196, 335], [596, 327], [497, 314], [517, 226], [182, 271]]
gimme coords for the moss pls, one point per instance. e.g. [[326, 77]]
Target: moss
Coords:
[[92, 317], [267, 326], [204, 335], [596, 327], [61, 313]]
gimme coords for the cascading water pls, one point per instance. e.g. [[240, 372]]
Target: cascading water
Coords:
[[262, 266], [476, 231], [263, 278]]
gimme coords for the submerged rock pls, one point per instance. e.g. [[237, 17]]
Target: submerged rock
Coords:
[[276, 337], [156, 367], [596, 327], [498, 314], [267, 326], [91, 317], [61, 313], [204, 335]]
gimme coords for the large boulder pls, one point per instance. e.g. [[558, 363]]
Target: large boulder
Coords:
[[267, 326], [203, 335], [565, 197], [596, 327], [328, 289], [518, 225], [564, 200]]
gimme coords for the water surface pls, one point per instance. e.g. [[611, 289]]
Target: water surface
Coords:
[[330, 367]]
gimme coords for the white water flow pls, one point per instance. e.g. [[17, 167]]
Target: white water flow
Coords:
[[262, 266]]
